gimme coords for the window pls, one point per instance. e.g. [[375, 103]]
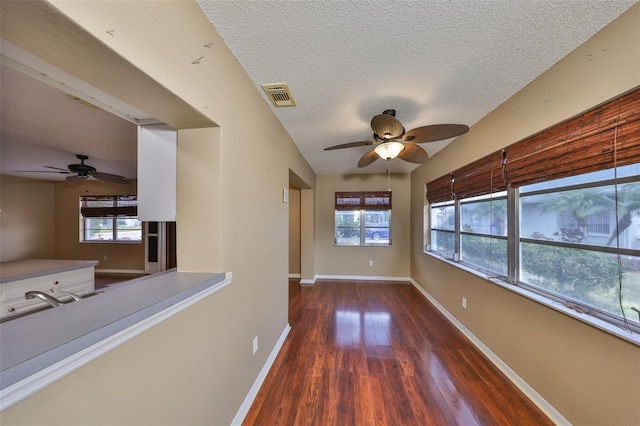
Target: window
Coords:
[[363, 218], [111, 218], [580, 259], [443, 227], [557, 214], [577, 243], [483, 233]]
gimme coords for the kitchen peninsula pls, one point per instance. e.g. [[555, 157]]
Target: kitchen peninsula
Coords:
[[43, 275]]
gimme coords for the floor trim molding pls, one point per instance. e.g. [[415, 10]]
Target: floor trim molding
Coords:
[[253, 392], [530, 392], [361, 278], [119, 271]]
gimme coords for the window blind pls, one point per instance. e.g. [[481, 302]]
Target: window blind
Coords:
[[109, 206], [363, 200], [603, 137]]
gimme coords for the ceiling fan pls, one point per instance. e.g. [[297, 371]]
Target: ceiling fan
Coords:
[[82, 171], [391, 140]]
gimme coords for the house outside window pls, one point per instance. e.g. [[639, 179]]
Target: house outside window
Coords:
[[110, 218], [483, 233], [575, 240], [443, 228], [363, 218]]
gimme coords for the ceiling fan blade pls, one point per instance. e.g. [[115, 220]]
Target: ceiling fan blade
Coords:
[[368, 158], [39, 171], [108, 177], [58, 168], [76, 177], [413, 154], [349, 145], [386, 126], [434, 133]]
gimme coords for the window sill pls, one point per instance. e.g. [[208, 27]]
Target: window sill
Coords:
[[110, 242], [43, 347], [626, 335]]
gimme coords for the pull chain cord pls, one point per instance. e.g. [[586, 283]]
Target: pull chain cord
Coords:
[[491, 265], [618, 254], [389, 174]]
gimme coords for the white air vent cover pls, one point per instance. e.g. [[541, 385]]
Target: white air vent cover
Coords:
[[279, 94]]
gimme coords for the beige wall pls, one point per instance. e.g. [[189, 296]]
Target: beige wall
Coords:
[[118, 256], [198, 366], [388, 261], [26, 219], [589, 376], [294, 231], [40, 219]]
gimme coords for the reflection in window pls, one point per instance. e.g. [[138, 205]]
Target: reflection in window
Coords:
[[483, 241], [443, 226]]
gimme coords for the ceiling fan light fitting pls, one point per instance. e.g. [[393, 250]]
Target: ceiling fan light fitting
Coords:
[[389, 150]]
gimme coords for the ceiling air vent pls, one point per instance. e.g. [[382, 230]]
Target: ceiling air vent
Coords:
[[279, 95]]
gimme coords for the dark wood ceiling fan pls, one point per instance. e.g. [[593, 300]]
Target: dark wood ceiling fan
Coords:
[[81, 171], [391, 140]]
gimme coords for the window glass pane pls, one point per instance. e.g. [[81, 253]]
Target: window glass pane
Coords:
[[98, 229], [377, 234], [485, 253], [98, 201], [485, 217], [348, 227], [584, 216], [584, 276], [129, 229], [443, 242], [377, 227], [602, 175], [443, 217]]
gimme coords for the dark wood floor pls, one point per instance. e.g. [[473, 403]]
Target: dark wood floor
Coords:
[[362, 353], [103, 280]]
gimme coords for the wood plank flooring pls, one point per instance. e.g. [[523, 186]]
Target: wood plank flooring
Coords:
[[363, 353]]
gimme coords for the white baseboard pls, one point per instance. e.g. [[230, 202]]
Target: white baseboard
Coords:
[[530, 392], [361, 278], [307, 282], [253, 392], [120, 271]]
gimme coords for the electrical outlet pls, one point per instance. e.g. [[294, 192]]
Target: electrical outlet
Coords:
[[464, 302], [255, 345], [104, 257], [371, 263]]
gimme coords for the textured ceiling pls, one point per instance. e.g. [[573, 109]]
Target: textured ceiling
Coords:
[[433, 61], [345, 61], [43, 126]]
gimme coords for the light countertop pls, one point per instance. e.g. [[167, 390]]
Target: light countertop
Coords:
[[29, 268], [34, 342]]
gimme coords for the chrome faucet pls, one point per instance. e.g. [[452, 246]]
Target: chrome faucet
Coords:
[[67, 293], [43, 296]]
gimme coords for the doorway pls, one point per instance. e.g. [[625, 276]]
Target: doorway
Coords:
[[160, 247]]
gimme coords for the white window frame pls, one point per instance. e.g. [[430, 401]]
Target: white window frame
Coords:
[[514, 251], [114, 221]]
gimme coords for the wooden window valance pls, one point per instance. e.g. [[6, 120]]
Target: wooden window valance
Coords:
[[363, 200], [603, 137], [109, 206]]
